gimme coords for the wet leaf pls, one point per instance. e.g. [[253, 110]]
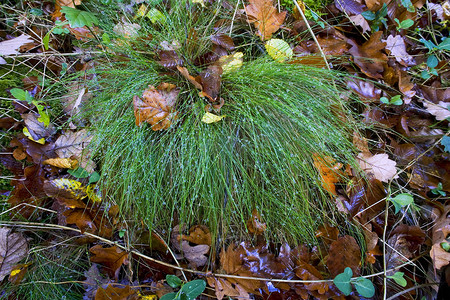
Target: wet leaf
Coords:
[[351, 7], [404, 241], [157, 106], [173, 281], [193, 289], [344, 252], [112, 258], [13, 248], [255, 224], [440, 232], [379, 166], [223, 40], [279, 50], [18, 273], [397, 47], [328, 171], [36, 128], [265, 17], [224, 288], [12, 46], [196, 255], [116, 293], [79, 173], [72, 144], [209, 118], [63, 163], [210, 79], [402, 200]]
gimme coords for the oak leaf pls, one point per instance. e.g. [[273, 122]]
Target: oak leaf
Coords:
[[157, 106], [112, 258], [225, 288], [13, 248], [379, 166], [265, 17]]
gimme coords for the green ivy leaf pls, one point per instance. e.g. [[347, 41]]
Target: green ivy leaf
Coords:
[[193, 289], [342, 281], [173, 281], [78, 18], [398, 277], [79, 173], [364, 287], [446, 143]]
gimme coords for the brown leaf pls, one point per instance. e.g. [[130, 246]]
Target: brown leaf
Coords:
[[351, 7], [12, 46], [306, 271], [157, 106], [255, 225], [94, 279], [196, 255], [37, 128], [82, 218], [72, 144], [70, 3], [365, 89], [265, 17], [64, 163], [344, 252], [210, 79], [359, 20], [225, 288], [116, 293], [406, 86], [328, 233], [440, 232], [223, 40], [333, 45], [18, 273], [192, 79], [112, 258], [198, 234], [169, 59], [369, 57], [397, 47], [13, 248]]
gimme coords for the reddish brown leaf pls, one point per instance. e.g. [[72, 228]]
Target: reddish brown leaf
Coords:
[[306, 271], [111, 258], [198, 234], [328, 233], [116, 293], [210, 80], [169, 59], [440, 232], [328, 171], [189, 77], [157, 106], [265, 17], [224, 288], [82, 218], [333, 45], [196, 255], [223, 40], [369, 57], [344, 252], [13, 248]]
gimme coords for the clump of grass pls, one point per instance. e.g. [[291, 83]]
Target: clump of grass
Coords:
[[259, 156]]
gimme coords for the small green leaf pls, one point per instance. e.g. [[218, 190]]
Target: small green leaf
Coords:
[[398, 277], [444, 45], [193, 289], [79, 173], [368, 15], [36, 12], [432, 61], [342, 281], [78, 18], [425, 74], [364, 287], [446, 143], [401, 200], [429, 44], [445, 246], [19, 94], [169, 296], [122, 233], [406, 23], [94, 177], [396, 100], [156, 16], [279, 50], [173, 281], [384, 100], [105, 38]]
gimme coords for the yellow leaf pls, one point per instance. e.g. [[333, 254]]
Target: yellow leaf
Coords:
[[15, 272], [28, 135], [279, 50], [91, 192], [200, 2], [141, 11], [231, 63], [211, 118], [64, 163]]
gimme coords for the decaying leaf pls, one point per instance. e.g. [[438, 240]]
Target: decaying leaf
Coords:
[[13, 248], [396, 46], [37, 129], [379, 166], [231, 63], [157, 106], [265, 17], [359, 20], [255, 225], [117, 293], [196, 255], [72, 144], [344, 252], [440, 232], [198, 234], [328, 171], [64, 163], [441, 110], [112, 258], [225, 288]]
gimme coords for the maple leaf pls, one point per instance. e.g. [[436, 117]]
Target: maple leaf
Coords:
[[156, 107], [13, 248], [264, 17], [379, 166]]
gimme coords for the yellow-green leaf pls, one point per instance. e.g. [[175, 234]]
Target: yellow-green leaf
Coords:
[[211, 118], [231, 63], [279, 50], [28, 135]]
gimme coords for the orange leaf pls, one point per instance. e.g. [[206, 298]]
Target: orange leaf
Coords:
[[198, 234], [329, 172], [156, 107], [264, 17], [254, 224]]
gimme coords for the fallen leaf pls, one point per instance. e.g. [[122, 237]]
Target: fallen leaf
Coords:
[[440, 232], [395, 44], [351, 7], [68, 192], [73, 144], [231, 63], [379, 166], [36, 128], [157, 106], [63, 163], [18, 273], [116, 293], [265, 17], [223, 40], [198, 234], [406, 86], [126, 29], [209, 118], [13, 248], [196, 255], [440, 111], [328, 171], [359, 20], [210, 79], [344, 252], [94, 280], [255, 224], [70, 3], [112, 258], [12, 46], [223, 288]]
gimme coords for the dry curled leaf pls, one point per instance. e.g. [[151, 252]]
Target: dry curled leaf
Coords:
[[397, 47], [196, 255], [255, 225], [265, 17], [157, 106], [13, 248], [223, 287], [441, 110], [328, 171]]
